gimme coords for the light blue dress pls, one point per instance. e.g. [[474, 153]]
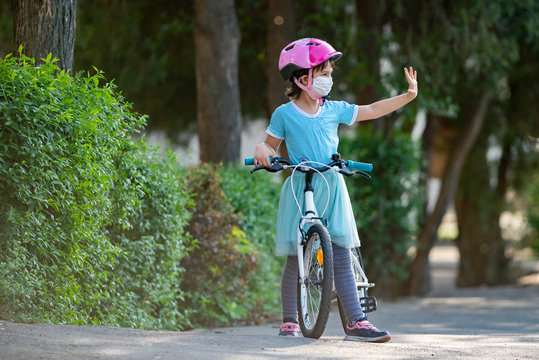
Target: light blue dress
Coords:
[[313, 137]]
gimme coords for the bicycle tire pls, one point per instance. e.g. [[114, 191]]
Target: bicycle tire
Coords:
[[355, 253], [319, 283]]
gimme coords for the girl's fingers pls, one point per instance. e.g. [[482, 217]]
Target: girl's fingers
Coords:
[[407, 74], [411, 74], [263, 162]]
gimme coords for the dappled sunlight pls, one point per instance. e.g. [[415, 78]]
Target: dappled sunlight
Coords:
[[463, 340], [115, 352]]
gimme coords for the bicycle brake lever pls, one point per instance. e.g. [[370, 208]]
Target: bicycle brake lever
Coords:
[[347, 172], [275, 167], [364, 174], [257, 168]]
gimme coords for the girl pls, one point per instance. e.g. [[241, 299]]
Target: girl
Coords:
[[308, 124]]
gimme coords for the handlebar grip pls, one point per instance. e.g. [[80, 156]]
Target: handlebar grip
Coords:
[[251, 161], [354, 165]]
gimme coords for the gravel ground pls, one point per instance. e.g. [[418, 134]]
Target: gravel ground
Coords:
[[479, 323]]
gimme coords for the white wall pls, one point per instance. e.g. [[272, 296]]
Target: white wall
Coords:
[[253, 133]]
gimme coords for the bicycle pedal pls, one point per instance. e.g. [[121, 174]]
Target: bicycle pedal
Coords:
[[368, 304]]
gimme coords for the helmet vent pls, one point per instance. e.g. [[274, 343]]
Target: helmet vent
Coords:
[[312, 44], [290, 47]]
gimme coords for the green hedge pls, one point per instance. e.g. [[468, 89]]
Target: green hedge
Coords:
[[255, 198], [232, 273], [154, 241], [94, 225], [86, 213]]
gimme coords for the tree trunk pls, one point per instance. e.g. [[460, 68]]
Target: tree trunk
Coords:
[[217, 40], [498, 263], [478, 207], [369, 14], [281, 29], [472, 203], [419, 271], [46, 26]]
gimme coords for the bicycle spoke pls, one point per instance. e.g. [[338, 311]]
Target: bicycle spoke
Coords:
[[318, 291], [314, 289], [313, 312], [310, 306], [316, 304]]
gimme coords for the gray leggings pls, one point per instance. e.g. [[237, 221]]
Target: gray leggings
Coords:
[[344, 283]]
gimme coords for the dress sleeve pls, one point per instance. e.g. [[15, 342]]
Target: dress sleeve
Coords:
[[276, 126], [347, 112]]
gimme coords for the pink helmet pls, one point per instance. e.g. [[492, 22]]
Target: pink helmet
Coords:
[[305, 54]]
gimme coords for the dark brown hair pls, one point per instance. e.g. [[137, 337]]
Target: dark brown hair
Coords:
[[294, 91]]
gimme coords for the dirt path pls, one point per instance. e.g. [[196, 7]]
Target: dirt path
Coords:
[[485, 323]]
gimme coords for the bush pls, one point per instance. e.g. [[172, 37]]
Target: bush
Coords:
[[91, 224], [255, 199], [388, 207], [154, 241], [217, 270], [234, 227]]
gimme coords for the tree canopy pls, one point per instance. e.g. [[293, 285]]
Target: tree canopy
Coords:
[[477, 65]]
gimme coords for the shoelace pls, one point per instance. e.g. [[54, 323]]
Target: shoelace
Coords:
[[288, 327], [362, 325]]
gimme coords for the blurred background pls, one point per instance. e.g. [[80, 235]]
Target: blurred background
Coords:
[[457, 166]]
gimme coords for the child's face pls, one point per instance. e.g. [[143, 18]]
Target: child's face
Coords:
[[326, 71]]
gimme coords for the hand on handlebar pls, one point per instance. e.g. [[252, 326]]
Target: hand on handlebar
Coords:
[[263, 152]]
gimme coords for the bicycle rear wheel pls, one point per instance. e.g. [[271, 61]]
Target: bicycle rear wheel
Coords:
[[315, 302]]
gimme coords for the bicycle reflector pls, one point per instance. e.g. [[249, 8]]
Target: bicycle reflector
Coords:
[[320, 257]]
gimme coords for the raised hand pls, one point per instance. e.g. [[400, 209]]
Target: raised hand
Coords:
[[411, 77]]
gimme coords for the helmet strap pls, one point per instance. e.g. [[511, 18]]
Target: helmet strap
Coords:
[[309, 86]]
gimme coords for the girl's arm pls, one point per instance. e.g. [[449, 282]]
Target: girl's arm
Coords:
[[264, 150], [383, 107]]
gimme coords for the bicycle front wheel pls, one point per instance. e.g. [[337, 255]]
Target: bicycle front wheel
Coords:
[[314, 301]]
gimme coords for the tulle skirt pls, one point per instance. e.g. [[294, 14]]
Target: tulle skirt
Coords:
[[341, 222]]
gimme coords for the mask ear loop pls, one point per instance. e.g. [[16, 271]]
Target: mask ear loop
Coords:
[[309, 86]]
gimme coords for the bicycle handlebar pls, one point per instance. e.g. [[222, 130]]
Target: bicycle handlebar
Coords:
[[251, 161], [346, 167], [355, 165]]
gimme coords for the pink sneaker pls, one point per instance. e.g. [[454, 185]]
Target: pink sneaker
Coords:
[[362, 330], [289, 329]]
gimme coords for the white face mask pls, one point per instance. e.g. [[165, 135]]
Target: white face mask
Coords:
[[322, 85]]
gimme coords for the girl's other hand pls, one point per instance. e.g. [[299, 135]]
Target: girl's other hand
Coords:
[[411, 77], [263, 151]]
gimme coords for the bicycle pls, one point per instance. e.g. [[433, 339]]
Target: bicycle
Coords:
[[314, 251]]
